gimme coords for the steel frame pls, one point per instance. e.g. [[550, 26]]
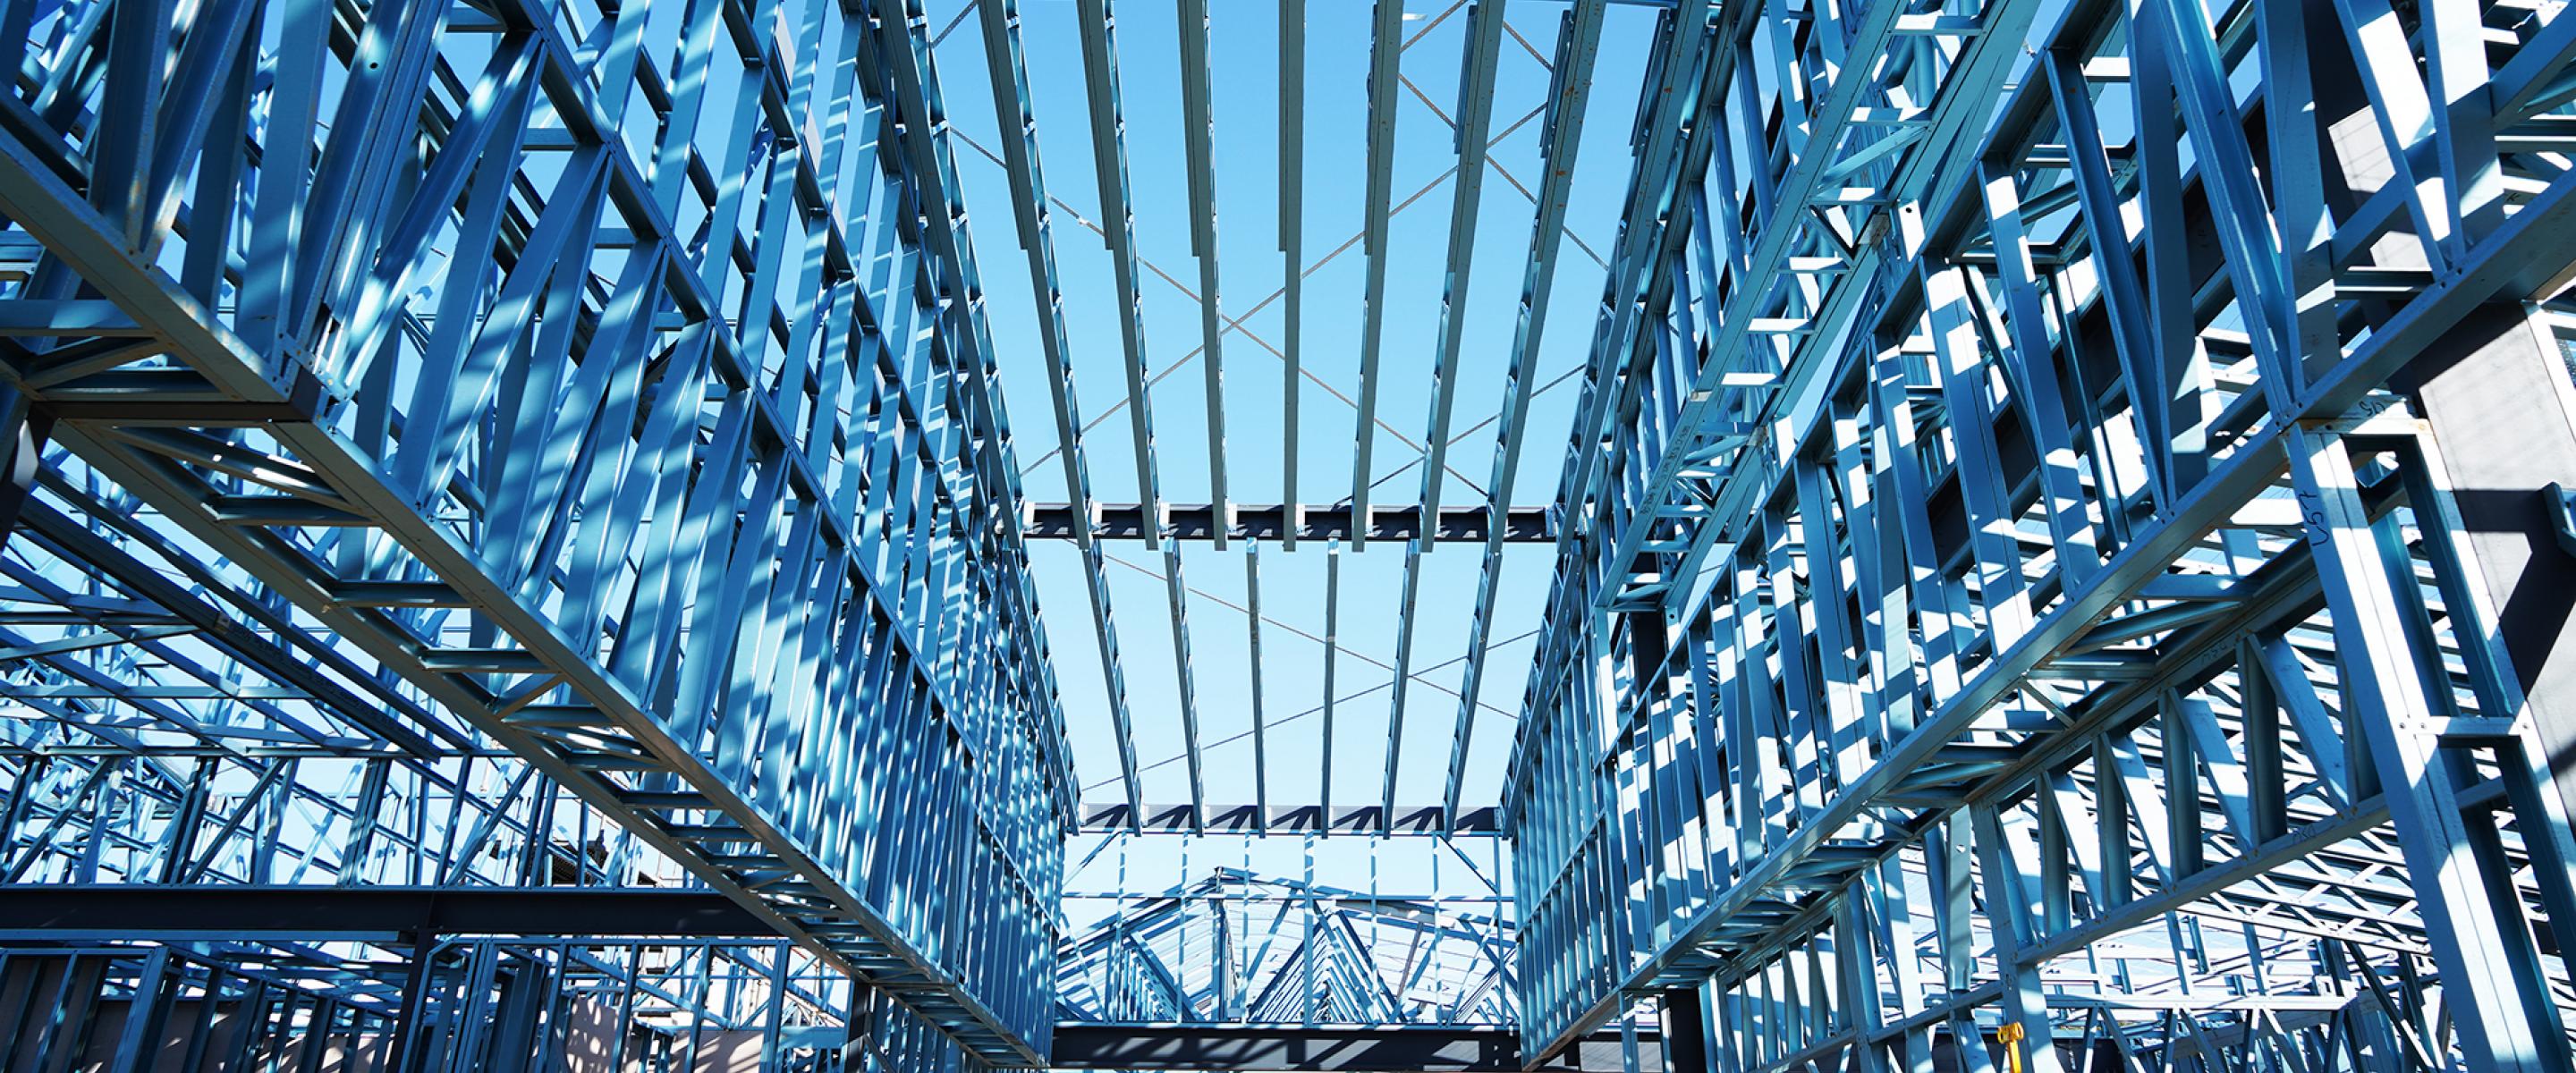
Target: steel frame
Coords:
[[590, 400], [2029, 576], [2004, 526], [1239, 948], [480, 1003], [1357, 520]]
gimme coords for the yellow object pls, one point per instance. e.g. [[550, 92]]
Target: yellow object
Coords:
[[2010, 1034]]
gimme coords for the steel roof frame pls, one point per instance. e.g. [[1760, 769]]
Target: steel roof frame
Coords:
[[1473, 125], [1154, 930], [1161, 525]]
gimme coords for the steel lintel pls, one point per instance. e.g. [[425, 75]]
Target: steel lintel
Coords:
[[1199, 521], [1109, 816], [1323, 1049], [205, 911]]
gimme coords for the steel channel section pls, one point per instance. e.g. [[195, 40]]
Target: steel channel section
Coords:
[[1198, 122], [1471, 125], [1109, 157], [1292, 248], [1570, 90], [1006, 58], [1418, 820], [291, 405], [1873, 654], [1385, 72]]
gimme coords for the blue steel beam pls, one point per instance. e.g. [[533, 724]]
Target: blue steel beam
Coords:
[[1198, 131], [1386, 61], [1010, 82], [1472, 123], [1260, 720], [1109, 151], [1332, 662], [1118, 214], [1570, 91], [1292, 242]]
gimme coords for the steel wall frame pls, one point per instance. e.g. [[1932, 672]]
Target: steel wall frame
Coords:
[[1939, 597], [500, 1004], [663, 475]]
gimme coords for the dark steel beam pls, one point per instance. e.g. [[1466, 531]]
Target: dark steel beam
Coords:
[[1683, 1024], [1105, 816], [1312, 1049], [316, 912], [23, 432], [1198, 521]]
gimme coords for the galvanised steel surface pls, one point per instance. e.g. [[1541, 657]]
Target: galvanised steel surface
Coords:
[[596, 394], [2013, 578]]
